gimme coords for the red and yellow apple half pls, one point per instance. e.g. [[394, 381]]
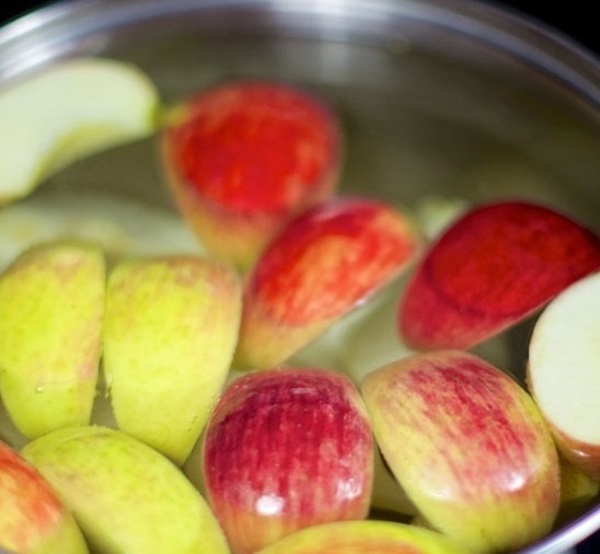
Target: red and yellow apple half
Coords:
[[285, 449], [242, 157], [364, 537], [51, 311], [33, 518], [563, 371], [493, 267], [323, 263], [469, 447], [125, 496], [170, 329]]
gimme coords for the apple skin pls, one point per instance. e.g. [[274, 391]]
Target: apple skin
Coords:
[[170, 330], [51, 310], [324, 263], [33, 519], [363, 537], [563, 371], [577, 491], [493, 267], [244, 156], [126, 496], [69, 111], [469, 447], [284, 449]]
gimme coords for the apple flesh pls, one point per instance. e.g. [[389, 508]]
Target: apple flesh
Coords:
[[67, 112], [469, 447], [323, 264], [242, 157], [284, 449], [564, 371], [125, 496], [170, 329], [493, 267], [360, 537], [33, 519], [51, 310]]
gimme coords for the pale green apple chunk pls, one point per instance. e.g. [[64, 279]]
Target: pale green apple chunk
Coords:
[[69, 111], [170, 329], [126, 496], [51, 309]]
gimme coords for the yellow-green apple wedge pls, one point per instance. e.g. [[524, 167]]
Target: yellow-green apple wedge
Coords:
[[69, 111], [242, 157], [577, 491], [284, 449], [493, 267], [125, 496], [362, 537], [170, 328], [33, 519], [51, 310], [323, 263], [563, 371], [469, 447]]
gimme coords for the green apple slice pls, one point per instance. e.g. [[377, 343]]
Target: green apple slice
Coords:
[[51, 308], [66, 112]]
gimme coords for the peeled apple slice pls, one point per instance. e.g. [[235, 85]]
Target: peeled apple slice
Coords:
[[67, 112]]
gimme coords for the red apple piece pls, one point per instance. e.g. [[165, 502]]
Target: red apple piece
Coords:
[[492, 268], [564, 371], [469, 447], [362, 537], [325, 262], [285, 449], [242, 157], [33, 519]]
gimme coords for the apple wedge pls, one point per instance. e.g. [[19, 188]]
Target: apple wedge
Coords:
[[285, 449], [469, 447], [125, 496], [242, 157], [323, 264], [33, 519], [493, 267], [170, 329], [360, 537], [66, 112], [51, 310], [564, 371]]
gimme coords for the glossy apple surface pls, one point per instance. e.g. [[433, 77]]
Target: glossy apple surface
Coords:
[[285, 449], [469, 447], [493, 267]]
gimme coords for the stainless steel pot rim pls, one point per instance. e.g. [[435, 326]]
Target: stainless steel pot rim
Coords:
[[36, 37], [43, 35]]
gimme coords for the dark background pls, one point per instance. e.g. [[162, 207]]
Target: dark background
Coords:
[[574, 19]]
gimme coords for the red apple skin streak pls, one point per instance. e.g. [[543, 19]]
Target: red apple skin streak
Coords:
[[493, 268], [255, 146], [290, 448], [31, 497], [453, 398], [329, 259]]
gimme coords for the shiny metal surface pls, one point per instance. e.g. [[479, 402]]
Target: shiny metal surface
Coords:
[[437, 97]]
